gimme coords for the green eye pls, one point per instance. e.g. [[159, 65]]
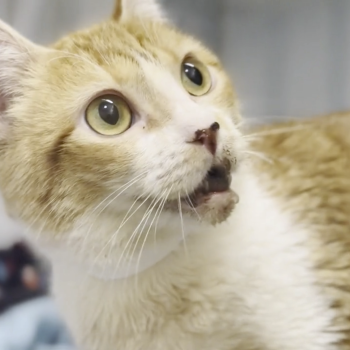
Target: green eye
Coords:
[[195, 77], [108, 115]]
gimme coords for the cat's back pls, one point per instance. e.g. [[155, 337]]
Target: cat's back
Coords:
[[309, 163], [307, 166]]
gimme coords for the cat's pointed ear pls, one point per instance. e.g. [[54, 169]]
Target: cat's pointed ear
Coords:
[[16, 54], [142, 9]]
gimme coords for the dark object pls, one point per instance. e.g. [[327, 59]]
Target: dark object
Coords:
[[193, 73], [108, 112], [20, 276]]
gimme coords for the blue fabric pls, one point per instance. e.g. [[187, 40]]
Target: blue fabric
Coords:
[[34, 325]]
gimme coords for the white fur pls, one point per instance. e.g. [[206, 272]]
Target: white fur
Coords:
[[144, 9], [246, 284], [14, 54], [10, 231]]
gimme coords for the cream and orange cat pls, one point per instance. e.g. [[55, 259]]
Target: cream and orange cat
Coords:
[[121, 152]]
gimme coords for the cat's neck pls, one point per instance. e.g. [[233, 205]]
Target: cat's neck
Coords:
[[135, 253], [110, 262], [150, 256]]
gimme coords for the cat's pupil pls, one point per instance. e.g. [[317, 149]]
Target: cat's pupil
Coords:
[[193, 74], [108, 112]]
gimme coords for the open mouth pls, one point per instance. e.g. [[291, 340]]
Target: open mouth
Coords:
[[217, 180], [213, 200]]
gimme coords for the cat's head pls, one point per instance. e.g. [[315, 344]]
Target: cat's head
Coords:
[[118, 128]]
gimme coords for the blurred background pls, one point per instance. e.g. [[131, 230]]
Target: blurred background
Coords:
[[288, 58]]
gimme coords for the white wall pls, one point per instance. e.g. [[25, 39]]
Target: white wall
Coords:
[[288, 57]]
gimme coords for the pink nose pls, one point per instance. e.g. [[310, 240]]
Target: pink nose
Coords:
[[208, 137]]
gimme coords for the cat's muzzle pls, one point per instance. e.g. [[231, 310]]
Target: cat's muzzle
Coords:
[[217, 180], [213, 200]]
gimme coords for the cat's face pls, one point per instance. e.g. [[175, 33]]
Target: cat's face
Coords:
[[128, 113]]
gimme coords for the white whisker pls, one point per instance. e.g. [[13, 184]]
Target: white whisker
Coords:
[[160, 212], [192, 206], [182, 224], [124, 188], [66, 54], [127, 185], [132, 235], [260, 156], [123, 222], [103, 57], [145, 219], [277, 131], [147, 233], [115, 234]]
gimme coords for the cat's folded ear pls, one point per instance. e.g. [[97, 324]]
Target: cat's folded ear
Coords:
[[16, 54], [138, 9]]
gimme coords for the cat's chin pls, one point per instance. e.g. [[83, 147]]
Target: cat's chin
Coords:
[[213, 208], [216, 207]]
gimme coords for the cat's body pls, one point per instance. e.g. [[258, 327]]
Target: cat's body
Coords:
[[121, 148], [274, 276], [308, 174], [247, 284]]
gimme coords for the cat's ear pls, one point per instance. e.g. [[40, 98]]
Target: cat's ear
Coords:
[[16, 54], [142, 9]]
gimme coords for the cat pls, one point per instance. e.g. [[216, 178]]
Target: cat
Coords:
[[124, 156]]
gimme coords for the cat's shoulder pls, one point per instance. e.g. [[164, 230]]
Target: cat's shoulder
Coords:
[[305, 164], [319, 136], [311, 152]]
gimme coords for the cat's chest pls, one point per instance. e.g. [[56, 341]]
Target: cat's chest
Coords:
[[248, 285], [185, 315], [226, 294]]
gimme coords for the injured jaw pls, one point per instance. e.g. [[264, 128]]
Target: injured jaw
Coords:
[[213, 200]]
